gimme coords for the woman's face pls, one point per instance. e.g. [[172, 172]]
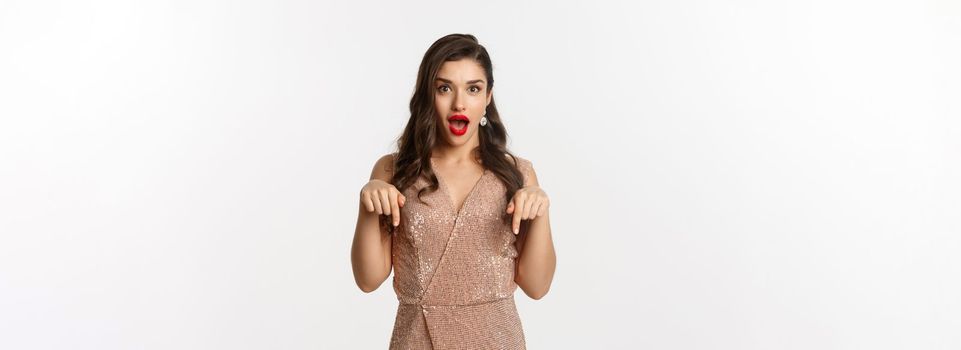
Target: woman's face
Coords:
[[461, 97]]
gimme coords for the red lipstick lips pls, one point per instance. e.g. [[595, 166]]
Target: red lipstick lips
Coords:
[[458, 124]]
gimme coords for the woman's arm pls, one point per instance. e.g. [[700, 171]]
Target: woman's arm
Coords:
[[370, 251], [536, 261]]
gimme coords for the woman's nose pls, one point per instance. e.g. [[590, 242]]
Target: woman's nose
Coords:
[[458, 101]]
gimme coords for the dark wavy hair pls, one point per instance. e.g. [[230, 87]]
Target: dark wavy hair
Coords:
[[420, 134]]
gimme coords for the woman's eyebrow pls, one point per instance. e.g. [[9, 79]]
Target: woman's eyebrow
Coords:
[[469, 82]]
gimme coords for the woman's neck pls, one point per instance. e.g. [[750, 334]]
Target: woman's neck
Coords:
[[457, 155]]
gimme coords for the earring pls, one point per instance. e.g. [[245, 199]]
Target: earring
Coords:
[[483, 120]]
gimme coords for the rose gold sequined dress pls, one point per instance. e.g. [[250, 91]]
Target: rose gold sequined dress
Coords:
[[454, 270]]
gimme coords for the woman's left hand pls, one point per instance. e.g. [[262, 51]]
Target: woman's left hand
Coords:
[[530, 202]]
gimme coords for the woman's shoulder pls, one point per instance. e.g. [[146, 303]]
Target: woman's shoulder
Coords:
[[517, 160], [384, 166], [524, 165], [387, 159]]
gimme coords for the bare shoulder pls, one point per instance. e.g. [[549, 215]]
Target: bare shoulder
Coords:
[[383, 168]]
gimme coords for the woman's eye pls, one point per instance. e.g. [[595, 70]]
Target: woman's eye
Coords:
[[445, 88]]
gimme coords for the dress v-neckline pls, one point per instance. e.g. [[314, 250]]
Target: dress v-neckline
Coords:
[[447, 195]]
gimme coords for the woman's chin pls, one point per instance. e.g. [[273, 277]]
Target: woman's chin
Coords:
[[455, 140]]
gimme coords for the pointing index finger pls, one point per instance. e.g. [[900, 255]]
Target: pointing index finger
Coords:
[[518, 203]]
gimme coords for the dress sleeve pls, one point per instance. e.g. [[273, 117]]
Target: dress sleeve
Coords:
[[386, 222], [392, 164], [526, 167]]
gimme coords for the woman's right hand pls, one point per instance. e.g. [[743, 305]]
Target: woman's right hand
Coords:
[[383, 198]]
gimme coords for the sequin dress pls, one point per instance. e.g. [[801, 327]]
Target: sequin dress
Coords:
[[454, 270]]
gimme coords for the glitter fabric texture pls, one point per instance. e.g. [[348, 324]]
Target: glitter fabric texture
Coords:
[[454, 269]]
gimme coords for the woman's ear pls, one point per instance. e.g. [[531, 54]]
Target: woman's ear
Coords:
[[490, 93]]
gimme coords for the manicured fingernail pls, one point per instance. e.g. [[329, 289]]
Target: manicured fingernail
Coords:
[[515, 231]]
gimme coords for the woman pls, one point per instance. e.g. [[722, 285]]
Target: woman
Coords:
[[461, 220]]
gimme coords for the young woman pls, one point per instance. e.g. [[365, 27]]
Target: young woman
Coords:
[[461, 220]]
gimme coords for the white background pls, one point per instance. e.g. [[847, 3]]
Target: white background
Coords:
[[723, 175]]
